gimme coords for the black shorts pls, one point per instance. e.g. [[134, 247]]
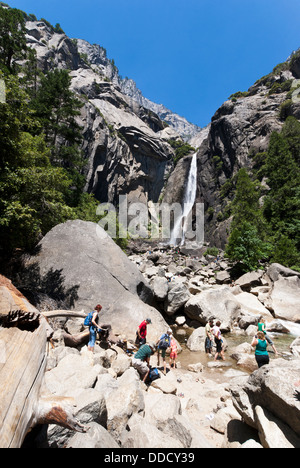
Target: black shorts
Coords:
[[218, 345], [262, 360]]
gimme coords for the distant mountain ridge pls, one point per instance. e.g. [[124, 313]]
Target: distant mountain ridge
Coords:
[[96, 57], [185, 129]]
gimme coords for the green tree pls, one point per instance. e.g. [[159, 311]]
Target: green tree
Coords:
[[282, 203], [56, 108], [291, 133], [245, 206], [32, 196], [285, 252], [16, 117], [246, 247], [247, 241], [12, 38]]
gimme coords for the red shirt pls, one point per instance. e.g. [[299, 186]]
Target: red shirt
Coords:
[[143, 329]]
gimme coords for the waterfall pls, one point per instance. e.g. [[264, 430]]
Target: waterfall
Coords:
[[181, 223]]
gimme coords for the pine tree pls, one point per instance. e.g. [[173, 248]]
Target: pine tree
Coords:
[[56, 108], [245, 206], [246, 247], [246, 244], [282, 204], [12, 38]]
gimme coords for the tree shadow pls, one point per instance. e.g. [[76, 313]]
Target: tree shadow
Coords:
[[297, 395], [37, 287]]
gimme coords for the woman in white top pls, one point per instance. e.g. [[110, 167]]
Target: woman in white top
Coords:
[[218, 341]]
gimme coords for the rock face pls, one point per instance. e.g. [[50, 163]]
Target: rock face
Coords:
[[240, 127], [184, 128], [125, 144], [78, 265], [270, 394]]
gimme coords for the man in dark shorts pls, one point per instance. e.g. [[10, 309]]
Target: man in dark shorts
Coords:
[[141, 332]]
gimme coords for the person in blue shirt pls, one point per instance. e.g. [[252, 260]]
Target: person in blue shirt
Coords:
[[162, 346]]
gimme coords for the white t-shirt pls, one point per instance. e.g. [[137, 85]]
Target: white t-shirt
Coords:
[[217, 332]]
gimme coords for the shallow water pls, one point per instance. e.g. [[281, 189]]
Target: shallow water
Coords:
[[219, 374]]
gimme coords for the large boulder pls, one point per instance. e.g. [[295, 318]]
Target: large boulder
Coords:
[[123, 402], [96, 437], [219, 303], [285, 298], [277, 271], [249, 280], [250, 304], [272, 388], [178, 296], [77, 264]]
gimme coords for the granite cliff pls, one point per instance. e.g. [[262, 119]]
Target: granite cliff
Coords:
[[127, 138], [125, 144], [240, 129]]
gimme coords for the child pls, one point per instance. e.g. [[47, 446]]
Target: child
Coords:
[[173, 353]]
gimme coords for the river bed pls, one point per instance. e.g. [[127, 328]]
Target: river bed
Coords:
[[229, 367]]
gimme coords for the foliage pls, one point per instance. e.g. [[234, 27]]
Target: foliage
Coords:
[[56, 107], [181, 149], [282, 203], [246, 247], [41, 165], [12, 38], [32, 195], [269, 229], [213, 251], [286, 253], [245, 205], [238, 95]]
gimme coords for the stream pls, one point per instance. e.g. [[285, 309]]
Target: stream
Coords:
[[229, 368]]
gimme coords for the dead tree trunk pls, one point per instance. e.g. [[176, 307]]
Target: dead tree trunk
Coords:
[[23, 339], [64, 313], [74, 341]]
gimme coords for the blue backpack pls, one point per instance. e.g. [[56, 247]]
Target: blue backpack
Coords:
[[153, 374], [88, 320]]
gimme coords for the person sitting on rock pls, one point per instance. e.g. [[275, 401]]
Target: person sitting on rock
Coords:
[[141, 359]]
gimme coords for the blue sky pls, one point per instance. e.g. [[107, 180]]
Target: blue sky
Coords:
[[189, 55]]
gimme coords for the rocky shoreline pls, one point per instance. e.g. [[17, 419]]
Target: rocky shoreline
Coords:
[[186, 408], [183, 409]]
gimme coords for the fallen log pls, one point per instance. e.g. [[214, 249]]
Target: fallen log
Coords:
[[74, 341], [64, 313], [23, 340]]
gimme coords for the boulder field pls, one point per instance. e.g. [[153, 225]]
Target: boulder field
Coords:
[[77, 266]]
